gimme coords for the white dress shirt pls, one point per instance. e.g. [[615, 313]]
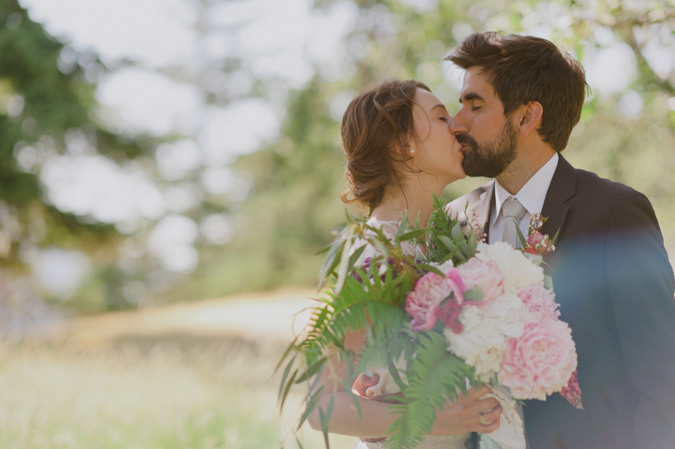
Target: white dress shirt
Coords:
[[531, 196]]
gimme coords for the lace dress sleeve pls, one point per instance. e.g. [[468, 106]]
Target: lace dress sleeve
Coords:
[[389, 229]]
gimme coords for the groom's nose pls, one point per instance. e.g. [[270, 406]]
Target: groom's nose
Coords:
[[458, 125]]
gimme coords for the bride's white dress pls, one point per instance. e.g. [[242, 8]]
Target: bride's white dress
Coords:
[[386, 385], [429, 442]]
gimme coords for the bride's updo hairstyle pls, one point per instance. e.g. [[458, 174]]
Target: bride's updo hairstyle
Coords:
[[375, 122]]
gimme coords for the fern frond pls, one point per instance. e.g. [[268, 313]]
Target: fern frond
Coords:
[[435, 377]]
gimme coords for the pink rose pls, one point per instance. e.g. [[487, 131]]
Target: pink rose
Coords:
[[540, 362], [539, 244], [430, 291], [535, 238], [484, 275], [540, 301]]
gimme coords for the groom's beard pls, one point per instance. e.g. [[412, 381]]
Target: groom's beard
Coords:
[[491, 158]]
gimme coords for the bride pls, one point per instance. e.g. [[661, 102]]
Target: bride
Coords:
[[399, 153]]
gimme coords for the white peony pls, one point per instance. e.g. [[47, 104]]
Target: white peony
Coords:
[[482, 342], [518, 270]]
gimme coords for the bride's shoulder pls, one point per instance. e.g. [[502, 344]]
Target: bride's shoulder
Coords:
[[389, 228]]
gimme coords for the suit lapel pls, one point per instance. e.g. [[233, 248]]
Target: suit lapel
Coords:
[[562, 188], [481, 207]]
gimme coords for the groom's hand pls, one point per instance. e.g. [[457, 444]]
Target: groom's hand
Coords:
[[465, 414]]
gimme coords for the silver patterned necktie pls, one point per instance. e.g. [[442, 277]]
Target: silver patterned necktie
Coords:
[[513, 212]]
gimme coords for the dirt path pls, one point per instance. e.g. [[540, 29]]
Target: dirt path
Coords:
[[260, 317]]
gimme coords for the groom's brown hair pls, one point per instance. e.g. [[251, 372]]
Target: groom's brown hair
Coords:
[[526, 68]]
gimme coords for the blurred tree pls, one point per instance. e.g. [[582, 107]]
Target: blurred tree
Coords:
[[294, 183], [46, 101], [625, 135]]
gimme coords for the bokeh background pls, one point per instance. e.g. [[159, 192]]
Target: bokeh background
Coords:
[[169, 167]]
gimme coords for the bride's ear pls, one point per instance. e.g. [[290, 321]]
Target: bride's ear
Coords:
[[402, 154], [529, 117]]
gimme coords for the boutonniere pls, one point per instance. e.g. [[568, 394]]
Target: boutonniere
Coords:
[[536, 242]]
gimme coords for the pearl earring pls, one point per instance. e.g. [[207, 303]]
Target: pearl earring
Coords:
[[412, 151]]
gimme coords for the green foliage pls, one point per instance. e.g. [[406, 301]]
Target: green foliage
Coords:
[[370, 295], [436, 377], [297, 180], [294, 203], [448, 241], [45, 98]]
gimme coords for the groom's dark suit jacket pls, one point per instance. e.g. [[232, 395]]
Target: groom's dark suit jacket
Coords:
[[615, 287]]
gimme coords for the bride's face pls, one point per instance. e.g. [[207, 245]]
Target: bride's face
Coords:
[[437, 152]]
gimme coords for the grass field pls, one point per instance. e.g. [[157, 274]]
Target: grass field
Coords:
[[159, 391]]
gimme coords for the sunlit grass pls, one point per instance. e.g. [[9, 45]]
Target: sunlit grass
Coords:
[[164, 393]]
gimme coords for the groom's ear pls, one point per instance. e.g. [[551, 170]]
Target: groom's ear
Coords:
[[529, 117]]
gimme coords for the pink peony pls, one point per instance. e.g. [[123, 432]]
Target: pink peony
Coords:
[[484, 275], [540, 301], [430, 291], [539, 362], [454, 279]]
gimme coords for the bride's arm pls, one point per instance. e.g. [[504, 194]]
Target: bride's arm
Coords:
[[375, 419], [375, 416]]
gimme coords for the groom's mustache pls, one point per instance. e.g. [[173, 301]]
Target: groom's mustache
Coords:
[[466, 139]]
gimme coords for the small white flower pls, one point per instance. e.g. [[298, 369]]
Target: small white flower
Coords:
[[443, 267]]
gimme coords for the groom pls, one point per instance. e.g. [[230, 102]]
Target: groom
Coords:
[[520, 99]]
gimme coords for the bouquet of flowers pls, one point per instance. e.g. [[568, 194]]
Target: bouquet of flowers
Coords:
[[462, 314]]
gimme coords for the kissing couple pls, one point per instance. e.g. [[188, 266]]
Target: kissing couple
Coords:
[[520, 99]]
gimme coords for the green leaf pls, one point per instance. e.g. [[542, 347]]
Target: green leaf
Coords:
[[554, 239], [449, 244], [412, 234], [473, 243], [403, 225], [548, 282], [312, 370], [474, 294], [521, 237], [330, 262], [344, 265], [284, 376], [311, 403], [356, 255], [286, 389], [456, 233], [324, 417], [430, 268]]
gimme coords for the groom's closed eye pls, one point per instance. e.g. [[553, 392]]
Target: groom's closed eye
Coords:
[[473, 99]]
